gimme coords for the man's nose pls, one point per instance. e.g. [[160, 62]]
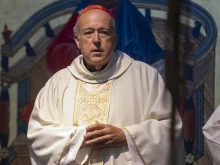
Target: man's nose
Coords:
[[96, 38]]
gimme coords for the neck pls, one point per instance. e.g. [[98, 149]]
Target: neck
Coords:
[[94, 68]]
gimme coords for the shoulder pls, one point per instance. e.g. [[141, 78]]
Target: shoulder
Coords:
[[136, 65], [146, 73], [143, 68], [142, 65], [59, 78], [61, 74]]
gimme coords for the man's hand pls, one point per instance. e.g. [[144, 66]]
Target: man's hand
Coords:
[[104, 135]]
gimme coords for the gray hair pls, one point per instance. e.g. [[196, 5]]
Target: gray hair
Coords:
[[76, 27]]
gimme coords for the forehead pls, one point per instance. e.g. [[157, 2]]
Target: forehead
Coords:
[[95, 18]]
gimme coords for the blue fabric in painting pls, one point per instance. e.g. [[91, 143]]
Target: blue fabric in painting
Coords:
[[135, 36]]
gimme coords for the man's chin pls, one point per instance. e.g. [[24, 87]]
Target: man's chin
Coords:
[[97, 62], [97, 59], [97, 54]]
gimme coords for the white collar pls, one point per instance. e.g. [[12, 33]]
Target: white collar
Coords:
[[118, 64]]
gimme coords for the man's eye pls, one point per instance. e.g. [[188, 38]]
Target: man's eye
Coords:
[[88, 33], [104, 33]]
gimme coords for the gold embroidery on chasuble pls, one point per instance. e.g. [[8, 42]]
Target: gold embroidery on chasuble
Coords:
[[92, 106]]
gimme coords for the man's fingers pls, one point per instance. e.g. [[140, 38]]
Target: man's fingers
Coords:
[[94, 127], [98, 140], [103, 144], [94, 134]]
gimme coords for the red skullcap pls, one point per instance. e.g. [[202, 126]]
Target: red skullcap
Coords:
[[96, 7]]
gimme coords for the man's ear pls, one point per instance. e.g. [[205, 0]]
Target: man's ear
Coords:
[[76, 38]]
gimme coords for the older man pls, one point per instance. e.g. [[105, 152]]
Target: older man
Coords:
[[211, 131], [105, 108]]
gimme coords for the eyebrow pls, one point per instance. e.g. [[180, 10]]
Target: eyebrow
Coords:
[[102, 28]]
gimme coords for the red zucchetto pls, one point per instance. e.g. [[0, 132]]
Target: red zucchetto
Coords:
[[96, 7]]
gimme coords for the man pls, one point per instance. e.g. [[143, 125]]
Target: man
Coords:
[[105, 108], [211, 131]]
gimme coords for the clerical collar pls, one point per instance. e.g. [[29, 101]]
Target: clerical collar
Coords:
[[117, 65], [103, 67]]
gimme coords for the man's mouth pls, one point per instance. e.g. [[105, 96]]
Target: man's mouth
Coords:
[[97, 50]]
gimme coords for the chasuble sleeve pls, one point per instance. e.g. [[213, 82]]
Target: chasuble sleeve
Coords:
[[211, 131], [52, 142], [151, 137]]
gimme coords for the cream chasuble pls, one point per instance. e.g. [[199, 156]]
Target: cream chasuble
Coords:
[[127, 94], [211, 131]]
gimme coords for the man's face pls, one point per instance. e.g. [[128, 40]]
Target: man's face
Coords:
[[96, 39]]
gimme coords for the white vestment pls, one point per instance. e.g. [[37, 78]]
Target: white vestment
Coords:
[[211, 131], [128, 94]]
